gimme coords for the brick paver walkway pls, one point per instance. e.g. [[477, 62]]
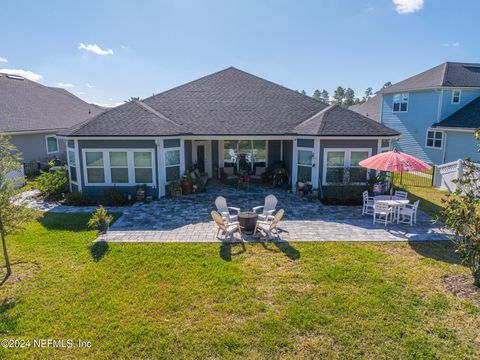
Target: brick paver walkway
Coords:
[[187, 219]]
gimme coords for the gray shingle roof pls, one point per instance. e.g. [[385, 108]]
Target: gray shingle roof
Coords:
[[338, 121], [447, 74], [467, 117], [229, 102], [372, 108], [28, 106]]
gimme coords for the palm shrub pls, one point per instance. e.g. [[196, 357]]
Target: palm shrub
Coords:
[[100, 220]]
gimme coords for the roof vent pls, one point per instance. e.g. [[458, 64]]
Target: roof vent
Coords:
[[15, 77]]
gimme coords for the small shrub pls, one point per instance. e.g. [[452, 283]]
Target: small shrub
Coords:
[[50, 183], [114, 197], [79, 199], [100, 220]]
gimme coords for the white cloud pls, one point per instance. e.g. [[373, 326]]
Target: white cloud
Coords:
[[64, 85], [95, 49], [27, 74], [453, 44], [408, 6], [108, 105], [90, 86], [3, 60]]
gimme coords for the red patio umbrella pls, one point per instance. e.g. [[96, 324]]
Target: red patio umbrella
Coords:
[[394, 161]]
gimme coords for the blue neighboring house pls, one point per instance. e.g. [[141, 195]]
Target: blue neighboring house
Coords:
[[436, 112]]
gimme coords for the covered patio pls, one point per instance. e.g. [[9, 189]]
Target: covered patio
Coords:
[[187, 219]]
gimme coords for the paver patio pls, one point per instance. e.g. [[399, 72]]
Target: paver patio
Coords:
[[187, 219]]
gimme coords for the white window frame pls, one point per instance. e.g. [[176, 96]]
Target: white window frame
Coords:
[[251, 148], [131, 167], [56, 140], [401, 101], [164, 151], [434, 134], [312, 166], [459, 96], [70, 165], [346, 165], [383, 149]]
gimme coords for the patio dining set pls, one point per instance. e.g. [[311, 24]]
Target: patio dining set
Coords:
[[261, 221], [387, 209]]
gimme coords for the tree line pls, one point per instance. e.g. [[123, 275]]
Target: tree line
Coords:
[[343, 96]]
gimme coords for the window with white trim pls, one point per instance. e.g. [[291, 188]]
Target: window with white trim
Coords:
[[72, 164], [342, 166], [95, 167], [434, 139], [127, 167], [400, 102], [304, 164], [384, 145], [456, 95], [52, 144], [247, 152], [119, 167], [172, 164]]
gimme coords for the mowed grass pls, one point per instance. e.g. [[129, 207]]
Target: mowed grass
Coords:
[[430, 198], [336, 300]]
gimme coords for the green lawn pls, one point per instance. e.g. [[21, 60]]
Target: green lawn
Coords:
[[341, 300], [430, 198]]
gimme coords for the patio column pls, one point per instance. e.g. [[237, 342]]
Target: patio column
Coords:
[[316, 163], [294, 164], [161, 168]]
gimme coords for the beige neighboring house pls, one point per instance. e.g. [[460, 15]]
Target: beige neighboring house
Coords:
[[32, 114]]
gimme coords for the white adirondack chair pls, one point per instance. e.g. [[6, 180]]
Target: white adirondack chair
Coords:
[[267, 209], [270, 227], [228, 213], [227, 228]]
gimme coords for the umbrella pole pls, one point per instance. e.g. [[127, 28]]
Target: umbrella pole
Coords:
[[391, 184]]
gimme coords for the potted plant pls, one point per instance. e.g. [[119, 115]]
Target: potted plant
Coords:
[[175, 188], [141, 190], [186, 185]]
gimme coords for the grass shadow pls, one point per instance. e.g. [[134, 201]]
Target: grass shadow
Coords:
[[226, 250], [7, 323], [69, 221], [288, 250], [436, 250], [98, 250]]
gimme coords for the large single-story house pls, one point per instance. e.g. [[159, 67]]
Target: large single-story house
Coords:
[[31, 114], [213, 122]]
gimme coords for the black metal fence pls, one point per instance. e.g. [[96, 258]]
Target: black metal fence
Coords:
[[414, 178]]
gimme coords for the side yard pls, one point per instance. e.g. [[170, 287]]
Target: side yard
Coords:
[[372, 300]]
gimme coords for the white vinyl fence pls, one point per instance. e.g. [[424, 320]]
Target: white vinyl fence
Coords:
[[446, 173]]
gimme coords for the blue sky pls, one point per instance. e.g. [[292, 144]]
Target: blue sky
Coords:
[[111, 50]]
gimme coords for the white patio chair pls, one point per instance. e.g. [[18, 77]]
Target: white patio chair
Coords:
[[226, 211], [368, 203], [270, 227], [401, 194], [408, 213], [382, 213], [227, 228], [267, 209]]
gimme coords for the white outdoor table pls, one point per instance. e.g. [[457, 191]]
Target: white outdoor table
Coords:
[[393, 201]]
